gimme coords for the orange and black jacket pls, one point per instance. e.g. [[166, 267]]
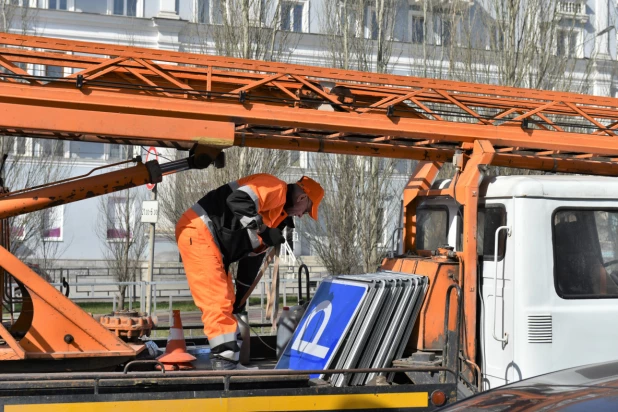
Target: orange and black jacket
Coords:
[[239, 211]]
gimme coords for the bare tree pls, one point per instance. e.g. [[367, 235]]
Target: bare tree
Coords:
[[251, 29], [359, 200], [359, 33], [357, 207], [531, 43], [536, 44], [17, 16], [32, 162], [254, 29], [123, 236]]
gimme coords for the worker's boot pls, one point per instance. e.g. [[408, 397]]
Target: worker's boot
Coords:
[[222, 364]]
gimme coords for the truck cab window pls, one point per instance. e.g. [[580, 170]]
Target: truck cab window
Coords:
[[586, 253], [431, 228], [490, 218]]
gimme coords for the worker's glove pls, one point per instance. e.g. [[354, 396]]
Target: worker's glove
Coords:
[[287, 222], [272, 237]]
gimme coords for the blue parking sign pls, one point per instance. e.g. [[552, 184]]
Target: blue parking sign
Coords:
[[324, 325]]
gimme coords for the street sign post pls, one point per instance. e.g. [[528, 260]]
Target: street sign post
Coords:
[[153, 217]]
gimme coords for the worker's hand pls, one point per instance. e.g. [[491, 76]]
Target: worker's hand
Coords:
[[272, 237], [287, 222]]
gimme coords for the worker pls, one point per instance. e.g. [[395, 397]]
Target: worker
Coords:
[[233, 221]]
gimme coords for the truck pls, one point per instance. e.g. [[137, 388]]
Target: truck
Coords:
[[520, 270]]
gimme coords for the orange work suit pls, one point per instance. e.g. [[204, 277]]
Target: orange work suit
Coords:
[[222, 228]]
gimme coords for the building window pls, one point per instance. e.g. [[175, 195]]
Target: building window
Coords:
[[50, 147], [348, 16], [567, 43], [17, 226], [496, 38], [442, 30], [57, 4], [371, 24], [87, 150], [416, 25], [124, 7], [54, 72], [203, 11], [119, 152], [293, 16], [211, 11], [401, 167], [18, 146], [53, 220], [23, 3], [294, 159], [120, 218]]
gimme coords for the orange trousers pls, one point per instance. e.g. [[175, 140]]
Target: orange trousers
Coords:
[[211, 286]]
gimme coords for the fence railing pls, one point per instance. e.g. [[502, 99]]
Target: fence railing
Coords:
[[74, 274], [166, 291]]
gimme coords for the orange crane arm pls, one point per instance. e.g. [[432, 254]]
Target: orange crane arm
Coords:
[[75, 189], [130, 95]]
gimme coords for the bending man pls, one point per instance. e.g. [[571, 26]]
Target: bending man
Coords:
[[227, 224]]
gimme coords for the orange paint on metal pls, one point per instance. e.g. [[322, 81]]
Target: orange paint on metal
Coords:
[[422, 179], [29, 201], [15, 351], [441, 273], [59, 328], [428, 333], [121, 124], [171, 102], [467, 190]]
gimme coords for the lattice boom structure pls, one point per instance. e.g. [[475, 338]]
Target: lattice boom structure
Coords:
[[129, 95]]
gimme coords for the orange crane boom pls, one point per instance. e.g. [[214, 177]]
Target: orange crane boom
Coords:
[[129, 95]]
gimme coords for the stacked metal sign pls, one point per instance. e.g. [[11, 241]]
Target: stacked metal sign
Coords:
[[344, 328], [383, 325]]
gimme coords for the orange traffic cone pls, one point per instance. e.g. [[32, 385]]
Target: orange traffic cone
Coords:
[[176, 356]]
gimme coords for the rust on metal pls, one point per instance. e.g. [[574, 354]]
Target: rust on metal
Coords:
[[128, 325], [57, 194]]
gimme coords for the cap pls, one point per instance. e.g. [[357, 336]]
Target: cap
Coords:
[[315, 193]]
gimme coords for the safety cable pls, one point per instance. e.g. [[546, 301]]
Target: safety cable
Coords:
[[158, 154], [254, 331]]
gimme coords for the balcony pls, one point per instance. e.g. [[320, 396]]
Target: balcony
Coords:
[[574, 9]]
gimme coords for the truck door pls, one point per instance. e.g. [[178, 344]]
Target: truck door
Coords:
[[497, 297], [584, 309]]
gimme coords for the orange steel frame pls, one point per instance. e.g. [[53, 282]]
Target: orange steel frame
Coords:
[[121, 94], [137, 96], [50, 325]]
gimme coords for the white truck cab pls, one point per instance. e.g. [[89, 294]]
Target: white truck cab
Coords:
[[549, 295]]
